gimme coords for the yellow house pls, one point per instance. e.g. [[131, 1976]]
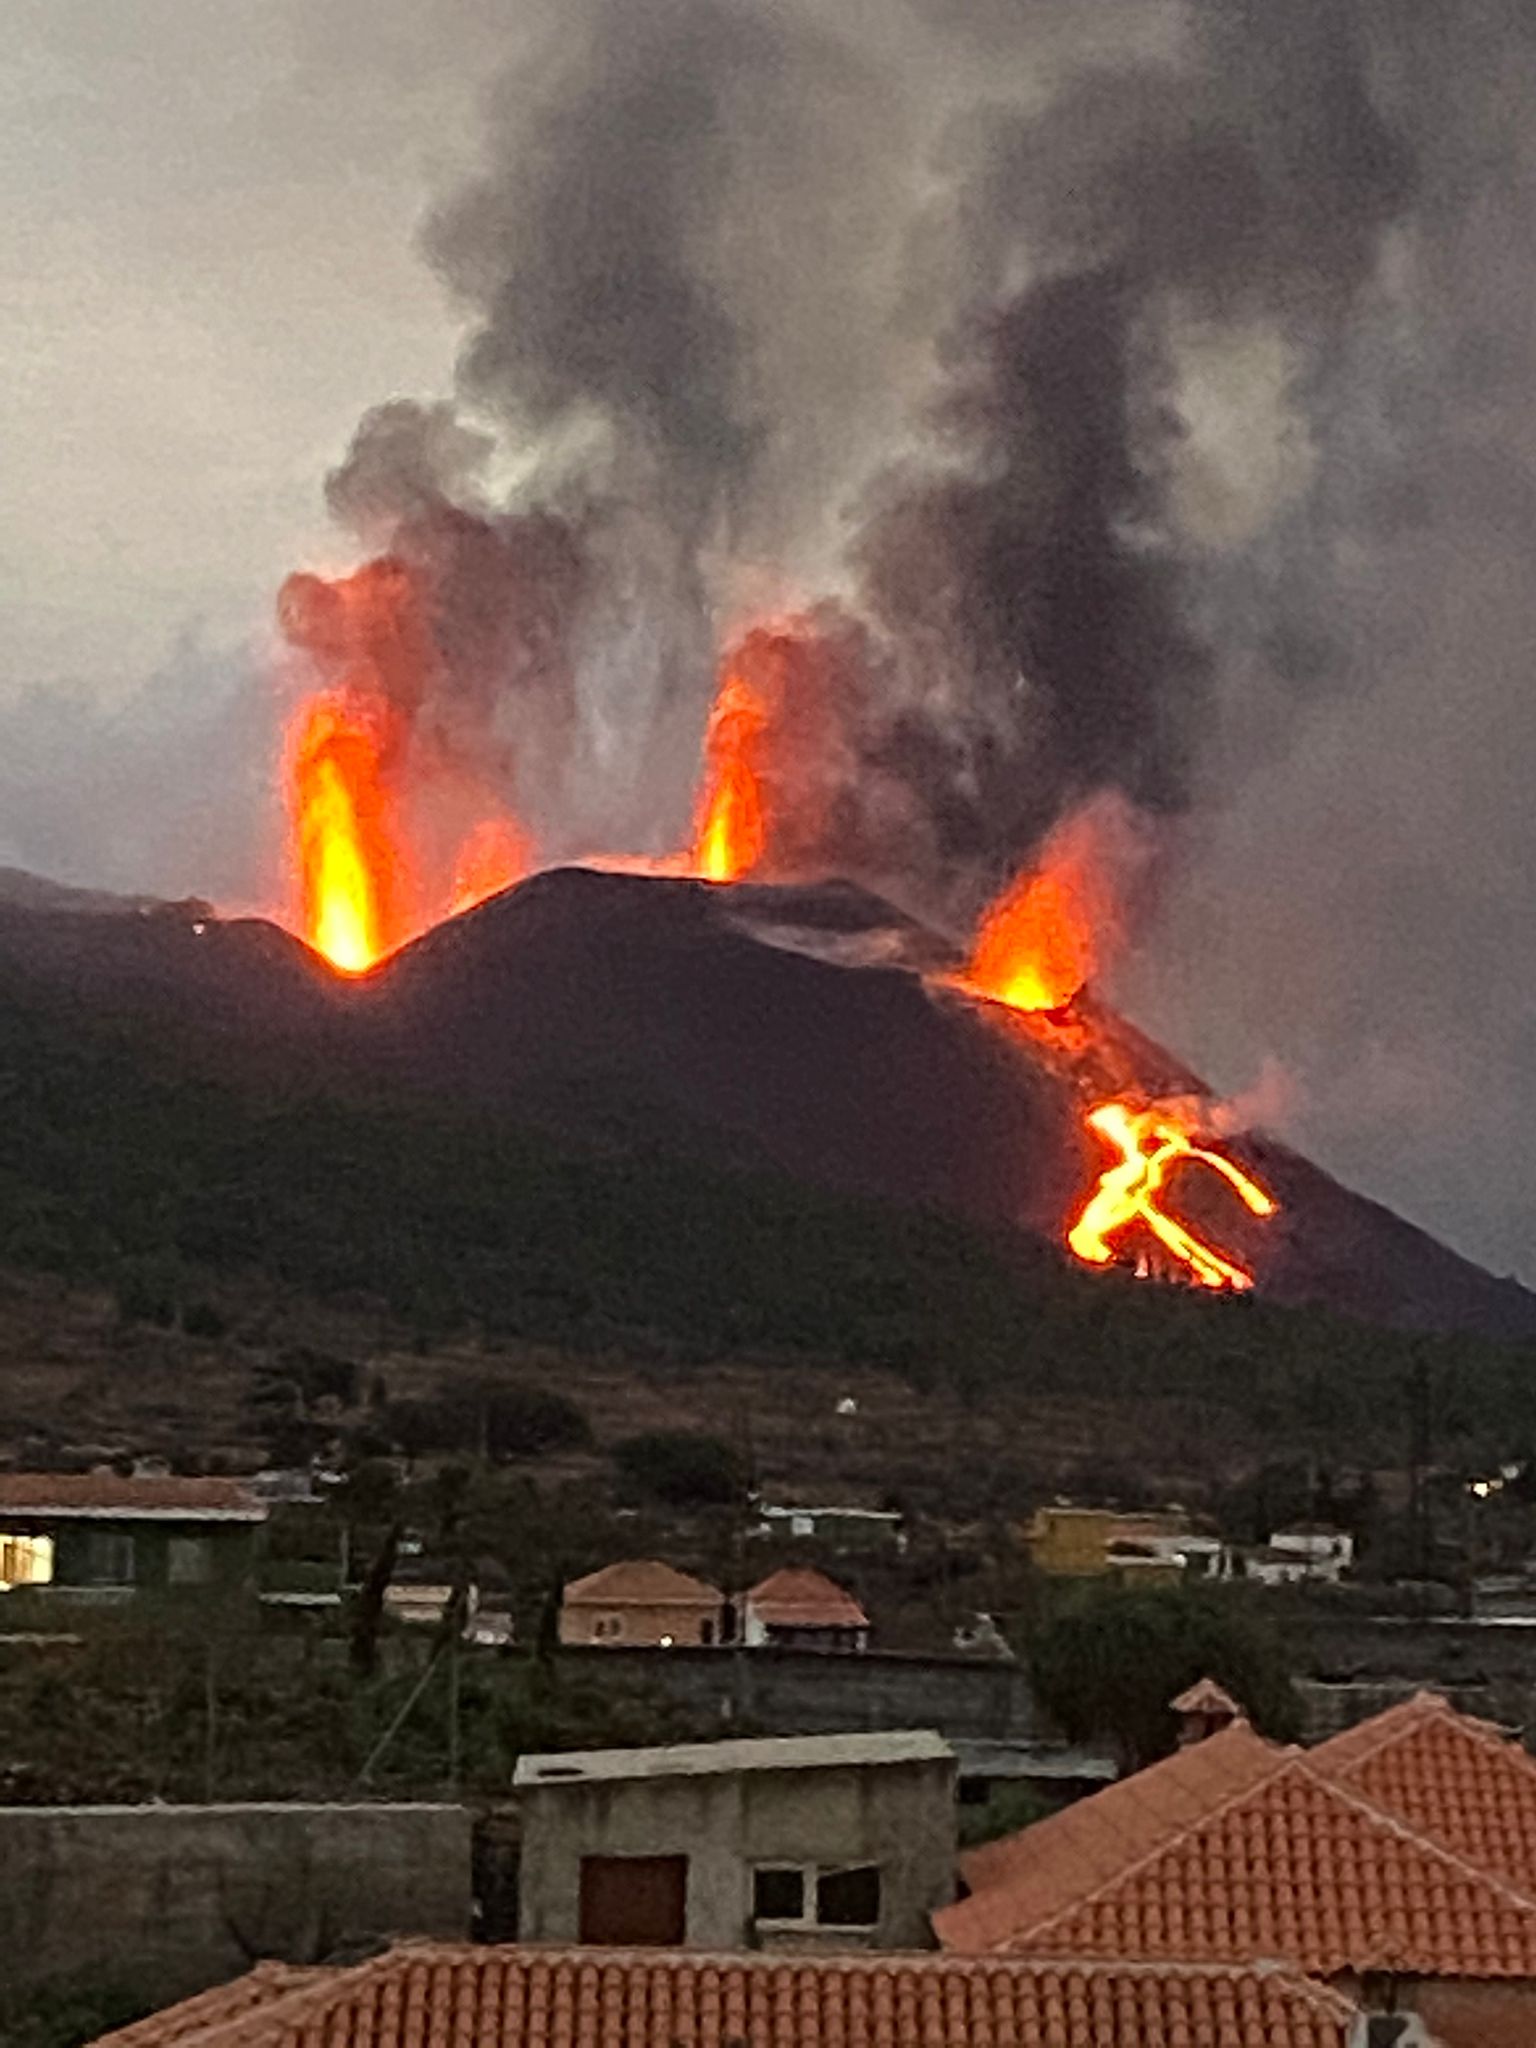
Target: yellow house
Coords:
[[1090, 1542]]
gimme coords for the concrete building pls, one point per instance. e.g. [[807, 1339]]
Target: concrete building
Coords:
[[801, 1609], [798, 1842], [641, 1602], [98, 1534]]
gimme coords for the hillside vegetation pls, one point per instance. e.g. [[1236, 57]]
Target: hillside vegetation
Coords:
[[127, 1163]]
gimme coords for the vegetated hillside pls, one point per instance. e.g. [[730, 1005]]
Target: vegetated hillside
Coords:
[[163, 1163], [782, 1030]]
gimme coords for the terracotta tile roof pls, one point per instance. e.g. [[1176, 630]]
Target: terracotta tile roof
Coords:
[[433, 1996], [1458, 1780], [1297, 1867], [1205, 1696], [1046, 1866], [641, 1582], [107, 1493], [799, 1597]]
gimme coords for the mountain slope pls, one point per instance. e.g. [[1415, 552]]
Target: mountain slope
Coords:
[[791, 1030]]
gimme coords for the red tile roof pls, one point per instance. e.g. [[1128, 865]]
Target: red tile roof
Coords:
[[1297, 1867], [1460, 1781], [68, 1494], [641, 1582], [799, 1597], [431, 1996], [1030, 1875]]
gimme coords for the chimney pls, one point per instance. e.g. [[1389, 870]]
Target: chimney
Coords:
[[1204, 1710]]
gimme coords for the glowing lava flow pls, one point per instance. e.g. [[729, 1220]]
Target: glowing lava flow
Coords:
[[730, 829], [1151, 1146], [346, 859]]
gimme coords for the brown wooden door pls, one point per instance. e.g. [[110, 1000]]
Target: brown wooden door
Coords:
[[634, 1901]]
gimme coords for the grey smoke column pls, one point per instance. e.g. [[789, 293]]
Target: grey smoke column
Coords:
[[1038, 593]]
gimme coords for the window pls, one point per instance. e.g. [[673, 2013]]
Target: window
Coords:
[[25, 1561], [106, 1559], [848, 1898], [811, 1895], [189, 1561], [778, 1894], [608, 1628]]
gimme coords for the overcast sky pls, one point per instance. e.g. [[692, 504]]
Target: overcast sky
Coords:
[[209, 268]]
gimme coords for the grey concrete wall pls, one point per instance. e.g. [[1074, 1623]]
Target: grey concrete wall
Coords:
[[817, 1692], [901, 1816], [163, 1900]]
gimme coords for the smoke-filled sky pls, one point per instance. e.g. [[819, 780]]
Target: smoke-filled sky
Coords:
[[1144, 390]]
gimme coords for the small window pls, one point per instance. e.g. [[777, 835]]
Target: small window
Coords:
[[189, 1561], [108, 1559], [811, 1895], [778, 1894], [848, 1898], [608, 1627]]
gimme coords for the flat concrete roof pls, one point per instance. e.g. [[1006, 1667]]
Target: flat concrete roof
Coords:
[[705, 1759]]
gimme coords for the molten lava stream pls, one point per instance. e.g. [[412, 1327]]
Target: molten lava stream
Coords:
[[730, 829], [1151, 1146], [348, 861]]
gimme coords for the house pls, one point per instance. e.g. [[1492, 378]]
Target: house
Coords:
[[1396, 1862], [1328, 1552], [423, 1995], [97, 1534], [641, 1602], [798, 1842], [802, 1609], [842, 1528], [1071, 1542]]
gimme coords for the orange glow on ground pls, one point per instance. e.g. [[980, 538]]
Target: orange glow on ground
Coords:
[[1151, 1145], [492, 858]]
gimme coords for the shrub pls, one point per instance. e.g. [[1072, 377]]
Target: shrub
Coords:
[[681, 1467], [523, 1422]]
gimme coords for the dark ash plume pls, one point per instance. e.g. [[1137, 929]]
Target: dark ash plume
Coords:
[[1037, 596]]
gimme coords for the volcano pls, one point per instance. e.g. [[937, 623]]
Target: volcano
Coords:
[[812, 1029]]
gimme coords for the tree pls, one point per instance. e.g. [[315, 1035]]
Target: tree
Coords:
[[1107, 1664], [682, 1467]]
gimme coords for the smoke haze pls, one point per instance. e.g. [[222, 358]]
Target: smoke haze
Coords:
[[1134, 399]]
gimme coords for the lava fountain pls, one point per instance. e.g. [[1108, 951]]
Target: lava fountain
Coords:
[[730, 828], [386, 838]]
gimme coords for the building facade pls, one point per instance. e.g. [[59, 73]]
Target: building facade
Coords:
[[98, 1535], [643, 1603], [802, 1609], [800, 1842]]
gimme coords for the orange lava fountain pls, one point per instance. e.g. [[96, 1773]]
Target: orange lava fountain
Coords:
[[730, 828], [385, 837], [348, 862], [1035, 948], [1151, 1146]]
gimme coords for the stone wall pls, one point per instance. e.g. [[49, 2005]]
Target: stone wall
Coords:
[[821, 1692], [162, 1900]]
